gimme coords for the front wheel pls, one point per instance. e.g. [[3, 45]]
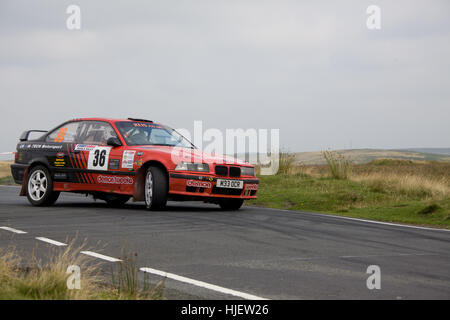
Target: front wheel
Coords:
[[40, 187], [155, 188], [231, 204]]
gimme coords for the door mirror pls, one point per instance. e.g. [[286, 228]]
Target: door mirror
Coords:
[[113, 141]]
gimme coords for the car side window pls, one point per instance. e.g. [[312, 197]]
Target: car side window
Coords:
[[161, 137], [95, 132], [66, 133]]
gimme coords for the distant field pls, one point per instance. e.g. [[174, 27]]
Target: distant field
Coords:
[[360, 156], [5, 169], [442, 151]]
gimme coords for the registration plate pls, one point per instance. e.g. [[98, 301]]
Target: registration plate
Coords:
[[233, 184]]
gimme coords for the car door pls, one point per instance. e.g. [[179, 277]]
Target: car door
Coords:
[[59, 145], [100, 161]]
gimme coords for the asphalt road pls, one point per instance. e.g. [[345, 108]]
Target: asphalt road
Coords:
[[273, 254]]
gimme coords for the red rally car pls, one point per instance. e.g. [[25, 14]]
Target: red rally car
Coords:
[[115, 160]]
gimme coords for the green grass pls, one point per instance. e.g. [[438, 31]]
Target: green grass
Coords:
[[8, 181], [359, 199]]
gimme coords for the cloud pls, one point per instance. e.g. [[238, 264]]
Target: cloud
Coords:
[[47, 46]]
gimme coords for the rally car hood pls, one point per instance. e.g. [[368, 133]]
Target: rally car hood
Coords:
[[190, 155]]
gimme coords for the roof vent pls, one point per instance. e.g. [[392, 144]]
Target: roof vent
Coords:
[[142, 120]]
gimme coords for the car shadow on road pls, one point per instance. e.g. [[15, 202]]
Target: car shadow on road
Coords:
[[138, 207]]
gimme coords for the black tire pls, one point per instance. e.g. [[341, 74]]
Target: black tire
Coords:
[[231, 204], [159, 187], [116, 200], [46, 195]]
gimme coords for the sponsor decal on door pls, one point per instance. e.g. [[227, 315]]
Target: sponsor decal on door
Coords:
[[128, 159]]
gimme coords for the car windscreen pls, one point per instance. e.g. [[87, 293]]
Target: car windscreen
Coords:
[[145, 133]]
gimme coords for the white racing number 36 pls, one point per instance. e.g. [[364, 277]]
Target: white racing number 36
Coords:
[[98, 158]]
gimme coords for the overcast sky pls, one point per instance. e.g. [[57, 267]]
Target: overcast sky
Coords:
[[310, 68]]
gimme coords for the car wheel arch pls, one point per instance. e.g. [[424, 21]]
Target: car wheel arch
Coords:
[[46, 195], [138, 194], [31, 165]]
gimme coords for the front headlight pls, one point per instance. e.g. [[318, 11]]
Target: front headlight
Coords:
[[189, 166], [248, 171]]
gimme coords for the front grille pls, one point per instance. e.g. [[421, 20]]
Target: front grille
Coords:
[[235, 172], [249, 192], [194, 189], [221, 170], [226, 191]]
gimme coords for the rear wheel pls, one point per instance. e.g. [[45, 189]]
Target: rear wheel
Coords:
[[40, 187], [231, 204], [155, 188]]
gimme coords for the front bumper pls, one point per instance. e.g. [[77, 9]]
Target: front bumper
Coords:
[[199, 185]]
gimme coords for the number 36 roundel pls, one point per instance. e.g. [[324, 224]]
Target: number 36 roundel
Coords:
[[98, 158]]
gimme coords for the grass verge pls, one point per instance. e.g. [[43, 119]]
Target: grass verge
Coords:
[[393, 191], [36, 280], [7, 181]]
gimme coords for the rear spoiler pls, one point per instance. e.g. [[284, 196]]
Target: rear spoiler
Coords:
[[24, 136]]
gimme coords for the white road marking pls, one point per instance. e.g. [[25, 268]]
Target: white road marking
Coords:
[[391, 224], [100, 256], [54, 242], [13, 230], [202, 284], [355, 219], [389, 255]]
